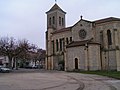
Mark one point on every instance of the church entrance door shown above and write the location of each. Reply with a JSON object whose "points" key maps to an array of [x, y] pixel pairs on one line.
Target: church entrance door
{"points": [[76, 63]]}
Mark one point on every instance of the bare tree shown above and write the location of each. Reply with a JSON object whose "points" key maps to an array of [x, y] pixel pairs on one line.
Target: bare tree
{"points": [[14, 49], [41, 54], [8, 48], [28, 52]]}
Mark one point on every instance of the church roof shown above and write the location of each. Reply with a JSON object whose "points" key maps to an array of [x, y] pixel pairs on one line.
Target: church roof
{"points": [[80, 43], [82, 20], [106, 20], [62, 30], [55, 7]]}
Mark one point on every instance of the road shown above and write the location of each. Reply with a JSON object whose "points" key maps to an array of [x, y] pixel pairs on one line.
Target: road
{"points": [[55, 80]]}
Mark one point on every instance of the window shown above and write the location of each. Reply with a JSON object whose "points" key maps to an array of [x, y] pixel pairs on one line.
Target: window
{"points": [[50, 21], [60, 44], [57, 47], [63, 43], [82, 33], [0, 62], [53, 20], [60, 21], [76, 63], [109, 37], [70, 39], [67, 40]]}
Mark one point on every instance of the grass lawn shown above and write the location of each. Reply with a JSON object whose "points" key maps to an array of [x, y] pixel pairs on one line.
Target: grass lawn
{"points": [[113, 74]]}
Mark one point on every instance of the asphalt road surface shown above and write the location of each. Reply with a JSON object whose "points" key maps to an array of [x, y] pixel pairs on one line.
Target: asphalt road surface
{"points": [[55, 80]]}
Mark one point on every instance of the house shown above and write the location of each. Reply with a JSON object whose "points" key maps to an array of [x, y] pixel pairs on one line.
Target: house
{"points": [[4, 61]]}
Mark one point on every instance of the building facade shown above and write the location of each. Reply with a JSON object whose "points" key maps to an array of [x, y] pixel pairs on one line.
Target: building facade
{"points": [[87, 45], [4, 61]]}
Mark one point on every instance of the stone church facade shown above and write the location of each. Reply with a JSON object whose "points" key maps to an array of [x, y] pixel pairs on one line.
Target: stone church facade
{"points": [[87, 45]]}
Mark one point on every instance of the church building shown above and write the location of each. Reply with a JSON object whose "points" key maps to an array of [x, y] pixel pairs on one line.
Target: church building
{"points": [[87, 45]]}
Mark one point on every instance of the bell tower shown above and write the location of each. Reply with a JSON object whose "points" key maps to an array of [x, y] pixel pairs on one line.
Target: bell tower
{"points": [[55, 18], [55, 21]]}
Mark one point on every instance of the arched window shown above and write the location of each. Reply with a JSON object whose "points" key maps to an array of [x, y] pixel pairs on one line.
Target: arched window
{"points": [[67, 41], [61, 45], [76, 63], [57, 45], [50, 21], [70, 39], [109, 37], [62, 21], [53, 20]]}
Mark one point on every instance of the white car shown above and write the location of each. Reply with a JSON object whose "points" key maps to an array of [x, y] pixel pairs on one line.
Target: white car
{"points": [[4, 69]]}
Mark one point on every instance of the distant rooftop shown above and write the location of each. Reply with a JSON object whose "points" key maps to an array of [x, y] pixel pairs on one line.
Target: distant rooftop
{"points": [[106, 20]]}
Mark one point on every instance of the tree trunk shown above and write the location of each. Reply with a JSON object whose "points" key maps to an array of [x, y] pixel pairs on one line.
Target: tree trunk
{"points": [[16, 62], [10, 62]]}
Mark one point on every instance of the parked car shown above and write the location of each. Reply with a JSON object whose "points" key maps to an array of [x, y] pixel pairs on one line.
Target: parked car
{"points": [[4, 69], [31, 67], [34, 67], [28, 67]]}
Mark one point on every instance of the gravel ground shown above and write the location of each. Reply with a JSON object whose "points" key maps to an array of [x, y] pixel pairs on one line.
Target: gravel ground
{"points": [[34, 79]]}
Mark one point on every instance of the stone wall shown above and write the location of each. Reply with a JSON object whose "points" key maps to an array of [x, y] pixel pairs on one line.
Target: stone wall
{"points": [[109, 56], [94, 57], [75, 52], [88, 58]]}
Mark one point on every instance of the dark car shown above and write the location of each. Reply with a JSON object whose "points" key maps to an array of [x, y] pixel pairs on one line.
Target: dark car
{"points": [[4, 69]]}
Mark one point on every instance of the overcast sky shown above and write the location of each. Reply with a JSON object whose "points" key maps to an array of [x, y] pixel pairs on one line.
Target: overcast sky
{"points": [[26, 19]]}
